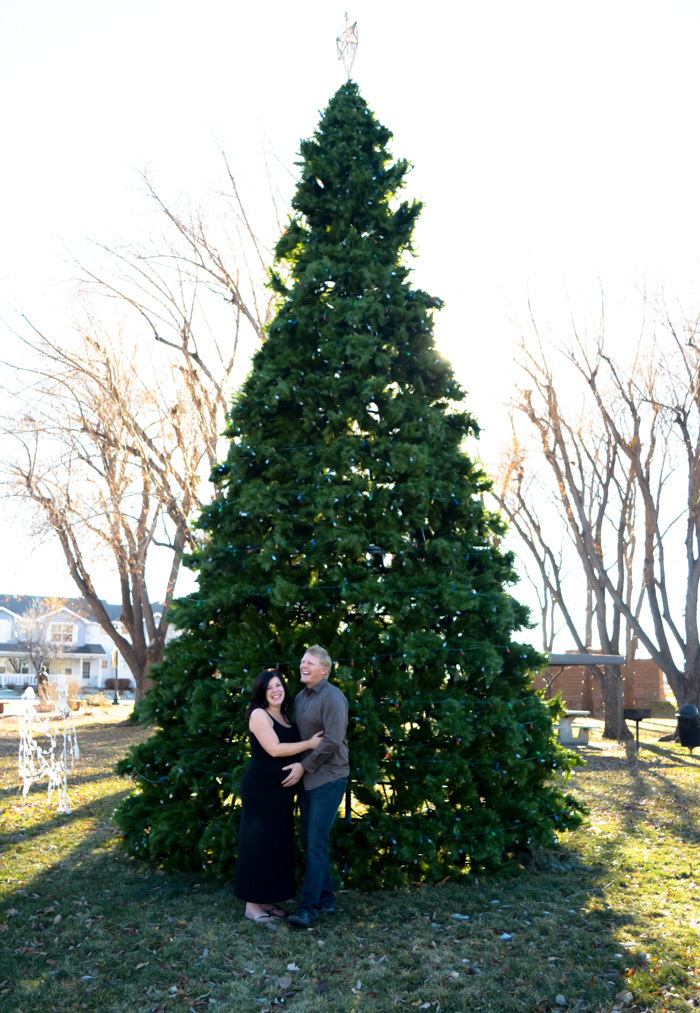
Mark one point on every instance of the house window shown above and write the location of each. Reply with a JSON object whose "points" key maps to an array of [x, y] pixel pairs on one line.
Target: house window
{"points": [[24, 669], [104, 664], [86, 670], [2, 669], [67, 671], [62, 633]]}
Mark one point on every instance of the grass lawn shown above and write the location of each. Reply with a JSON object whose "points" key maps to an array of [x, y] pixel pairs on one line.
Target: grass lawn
{"points": [[611, 921]]}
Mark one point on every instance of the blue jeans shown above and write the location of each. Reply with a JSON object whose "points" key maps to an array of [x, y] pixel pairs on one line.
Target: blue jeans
{"points": [[318, 808]]}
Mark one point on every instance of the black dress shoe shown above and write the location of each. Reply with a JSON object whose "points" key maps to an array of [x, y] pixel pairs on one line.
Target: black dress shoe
{"points": [[301, 919]]}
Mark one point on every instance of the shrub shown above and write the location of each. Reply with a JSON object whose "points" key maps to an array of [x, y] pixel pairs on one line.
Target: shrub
{"points": [[124, 684]]}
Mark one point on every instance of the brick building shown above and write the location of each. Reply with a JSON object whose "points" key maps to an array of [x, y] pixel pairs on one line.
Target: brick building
{"points": [[641, 687]]}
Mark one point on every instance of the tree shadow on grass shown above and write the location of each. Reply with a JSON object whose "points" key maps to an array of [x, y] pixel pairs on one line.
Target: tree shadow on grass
{"points": [[650, 784], [129, 937], [679, 759], [99, 928], [658, 785], [40, 787], [46, 945], [57, 820]]}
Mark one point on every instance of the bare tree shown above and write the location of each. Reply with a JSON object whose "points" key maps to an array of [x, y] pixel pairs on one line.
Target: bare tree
{"points": [[117, 426], [657, 429], [34, 633], [195, 290], [591, 499], [517, 491], [626, 470], [112, 473]]}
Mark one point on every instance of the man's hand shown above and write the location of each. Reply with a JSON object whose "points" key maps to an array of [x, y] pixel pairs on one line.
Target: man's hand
{"points": [[296, 772]]}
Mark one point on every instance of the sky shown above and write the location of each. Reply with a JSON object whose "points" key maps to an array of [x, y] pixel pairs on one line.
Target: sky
{"points": [[555, 146]]}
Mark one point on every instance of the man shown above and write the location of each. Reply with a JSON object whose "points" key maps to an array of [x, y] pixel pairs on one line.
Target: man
{"points": [[320, 706]]}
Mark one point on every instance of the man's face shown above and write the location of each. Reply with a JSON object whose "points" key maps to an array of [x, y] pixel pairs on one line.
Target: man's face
{"points": [[312, 670]]}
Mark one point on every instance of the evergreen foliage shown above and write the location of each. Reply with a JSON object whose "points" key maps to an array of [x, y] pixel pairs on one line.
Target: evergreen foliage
{"points": [[349, 515]]}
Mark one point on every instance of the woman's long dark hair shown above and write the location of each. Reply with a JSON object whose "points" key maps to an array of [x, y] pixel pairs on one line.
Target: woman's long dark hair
{"points": [[258, 695]]}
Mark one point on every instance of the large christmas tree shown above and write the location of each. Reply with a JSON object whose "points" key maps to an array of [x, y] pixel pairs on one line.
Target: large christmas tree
{"points": [[348, 514]]}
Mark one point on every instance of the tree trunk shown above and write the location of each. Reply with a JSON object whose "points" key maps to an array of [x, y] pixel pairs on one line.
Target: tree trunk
{"points": [[143, 684], [139, 659], [685, 687], [611, 688], [692, 691]]}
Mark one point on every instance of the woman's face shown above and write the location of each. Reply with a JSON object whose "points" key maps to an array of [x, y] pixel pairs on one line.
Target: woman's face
{"points": [[274, 693]]}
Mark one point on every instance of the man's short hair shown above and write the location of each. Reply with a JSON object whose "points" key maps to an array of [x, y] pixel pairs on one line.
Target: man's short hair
{"points": [[322, 654]]}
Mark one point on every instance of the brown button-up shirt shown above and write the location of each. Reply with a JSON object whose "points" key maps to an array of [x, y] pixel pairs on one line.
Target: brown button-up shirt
{"points": [[323, 707]]}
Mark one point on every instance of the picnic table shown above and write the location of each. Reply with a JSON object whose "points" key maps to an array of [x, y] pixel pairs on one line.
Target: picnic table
{"points": [[567, 728]]}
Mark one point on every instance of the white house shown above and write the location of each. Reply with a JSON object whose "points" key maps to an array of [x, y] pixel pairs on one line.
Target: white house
{"points": [[79, 648]]}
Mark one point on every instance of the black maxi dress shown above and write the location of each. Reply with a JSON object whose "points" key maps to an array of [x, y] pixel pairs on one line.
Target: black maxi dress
{"points": [[265, 865]]}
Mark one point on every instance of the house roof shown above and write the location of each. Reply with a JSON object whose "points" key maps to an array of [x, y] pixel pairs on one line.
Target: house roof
{"points": [[85, 649], [18, 604]]}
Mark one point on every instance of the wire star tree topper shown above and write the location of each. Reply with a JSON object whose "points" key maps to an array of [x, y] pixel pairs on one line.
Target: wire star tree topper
{"points": [[347, 44]]}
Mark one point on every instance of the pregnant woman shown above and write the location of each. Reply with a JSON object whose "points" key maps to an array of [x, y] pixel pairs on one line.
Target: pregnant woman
{"points": [[265, 865]]}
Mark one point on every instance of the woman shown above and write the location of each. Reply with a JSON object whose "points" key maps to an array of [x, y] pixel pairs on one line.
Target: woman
{"points": [[265, 866]]}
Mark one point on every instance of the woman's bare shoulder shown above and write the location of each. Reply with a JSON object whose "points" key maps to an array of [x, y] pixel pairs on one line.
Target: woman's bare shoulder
{"points": [[258, 716]]}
